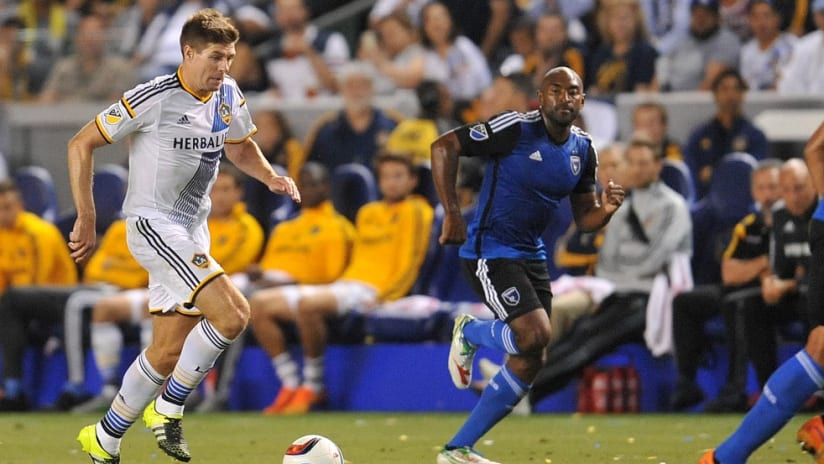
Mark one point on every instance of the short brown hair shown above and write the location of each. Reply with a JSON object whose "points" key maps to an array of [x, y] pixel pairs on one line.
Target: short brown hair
{"points": [[208, 26], [388, 157], [8, 185], [641, 141], [651, 105], [234, 172]]}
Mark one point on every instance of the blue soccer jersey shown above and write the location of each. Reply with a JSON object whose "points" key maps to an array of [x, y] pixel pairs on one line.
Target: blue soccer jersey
{"points": [[526, 177]]}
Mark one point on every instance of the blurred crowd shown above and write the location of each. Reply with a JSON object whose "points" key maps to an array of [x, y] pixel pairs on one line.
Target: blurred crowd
{"points": [[467, 60]]}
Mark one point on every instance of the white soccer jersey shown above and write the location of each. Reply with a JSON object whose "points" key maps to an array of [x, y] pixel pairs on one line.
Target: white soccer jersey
{"points": [[176, 144]]}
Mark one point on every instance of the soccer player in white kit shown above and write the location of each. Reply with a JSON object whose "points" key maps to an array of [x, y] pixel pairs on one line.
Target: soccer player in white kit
{"points": [[179, 125]]}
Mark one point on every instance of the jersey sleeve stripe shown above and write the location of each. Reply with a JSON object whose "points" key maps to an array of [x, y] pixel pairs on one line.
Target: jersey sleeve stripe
{"points": [[127, 106], [144, 95], [235, 141], [102, 130], [148, 87], [501, 124]]}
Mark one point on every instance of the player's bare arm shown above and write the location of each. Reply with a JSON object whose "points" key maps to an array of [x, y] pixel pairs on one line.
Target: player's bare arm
{"points": [[814, 156], [445, 152], [83, 237], [591, 214], [248, 158]]}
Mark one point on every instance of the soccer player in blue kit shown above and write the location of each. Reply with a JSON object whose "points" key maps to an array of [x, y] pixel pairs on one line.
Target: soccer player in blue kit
{"points": [[534, 160], [803, 374]]}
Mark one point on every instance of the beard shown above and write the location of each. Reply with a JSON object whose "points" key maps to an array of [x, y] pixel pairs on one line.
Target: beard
{"points": [[561, 120]]}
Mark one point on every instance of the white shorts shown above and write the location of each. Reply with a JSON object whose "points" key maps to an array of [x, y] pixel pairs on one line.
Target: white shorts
{"points": [[178, 262], [350, 294]]}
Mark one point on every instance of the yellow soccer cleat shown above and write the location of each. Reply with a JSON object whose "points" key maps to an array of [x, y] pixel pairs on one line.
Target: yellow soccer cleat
{"points": [[168, 432], [90, 444]]}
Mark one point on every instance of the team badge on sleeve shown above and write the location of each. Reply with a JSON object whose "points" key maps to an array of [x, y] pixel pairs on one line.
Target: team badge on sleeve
{"points": [[478, 132], [113, 116], [575, 164], [200, 260]]}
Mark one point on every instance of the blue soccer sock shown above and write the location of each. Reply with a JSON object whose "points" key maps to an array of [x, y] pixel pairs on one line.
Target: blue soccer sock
{"points": [[786, 390], [492, 334], [500, 395]]}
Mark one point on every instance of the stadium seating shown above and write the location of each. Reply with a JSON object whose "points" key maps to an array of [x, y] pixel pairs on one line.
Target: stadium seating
{"points": [[676, 175], [269, 209], [38, 191], [110, 182], [109, 191], [353, 185], [713, 217]]}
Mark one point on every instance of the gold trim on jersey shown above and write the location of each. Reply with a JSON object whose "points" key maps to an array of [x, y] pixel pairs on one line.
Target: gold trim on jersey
{"points": [[236, 141], [102, 131], [127, 106], [189, 89], [190, 304]]}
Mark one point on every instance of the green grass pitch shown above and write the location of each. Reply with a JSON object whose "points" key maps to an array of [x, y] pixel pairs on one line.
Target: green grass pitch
{"points": [[401, 438]]}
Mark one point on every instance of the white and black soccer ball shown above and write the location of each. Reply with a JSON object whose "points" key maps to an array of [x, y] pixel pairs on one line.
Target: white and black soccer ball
{"points": [[313, 449]]}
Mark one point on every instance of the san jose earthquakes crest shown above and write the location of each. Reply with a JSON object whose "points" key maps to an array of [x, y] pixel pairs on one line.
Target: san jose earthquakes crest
{"points": [[575, 164], [511, 296]]}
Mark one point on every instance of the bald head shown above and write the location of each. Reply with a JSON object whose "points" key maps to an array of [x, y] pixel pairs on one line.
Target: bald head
{"points": [[556, 73], [797, 188], [561, 98]]}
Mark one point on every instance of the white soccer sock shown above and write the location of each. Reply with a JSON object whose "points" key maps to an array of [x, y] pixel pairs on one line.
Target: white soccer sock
{"points": [[107, 344], [287, 370], [140, 384], [201, 349], [313, 373]]}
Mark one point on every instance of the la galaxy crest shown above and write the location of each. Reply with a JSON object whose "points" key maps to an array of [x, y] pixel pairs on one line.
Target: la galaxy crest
{"points": [[200, 260], [575, 164], [225, 113]]}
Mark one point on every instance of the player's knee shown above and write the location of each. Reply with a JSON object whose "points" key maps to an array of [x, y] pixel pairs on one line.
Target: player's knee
{"points": [[236, 320], [162, 359], [533, 339], [815, 345]]}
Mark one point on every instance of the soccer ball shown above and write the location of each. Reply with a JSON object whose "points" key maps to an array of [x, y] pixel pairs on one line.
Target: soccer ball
{"points": [[313, 449]]}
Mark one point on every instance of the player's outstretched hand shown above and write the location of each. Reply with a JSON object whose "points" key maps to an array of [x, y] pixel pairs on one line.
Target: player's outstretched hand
{"points": [[284, 185], [612, 197], [82, 238], [453, 231]]}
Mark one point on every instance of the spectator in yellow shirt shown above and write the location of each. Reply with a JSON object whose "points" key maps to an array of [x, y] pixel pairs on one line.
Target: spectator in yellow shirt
{"points": [[392, 238], [313, 248], [236, 239], [33, 251], [42, 281]]}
